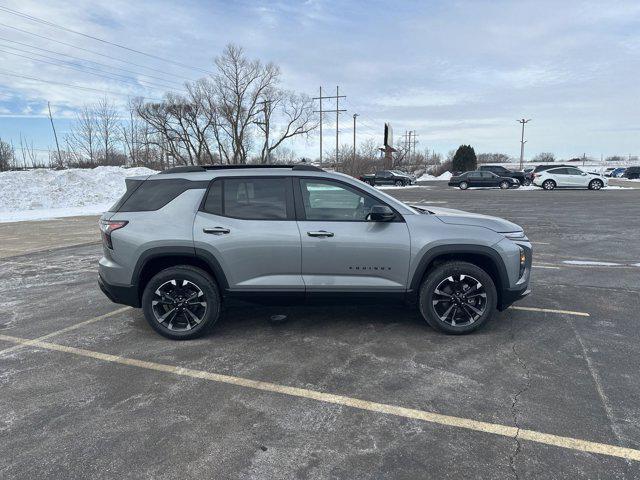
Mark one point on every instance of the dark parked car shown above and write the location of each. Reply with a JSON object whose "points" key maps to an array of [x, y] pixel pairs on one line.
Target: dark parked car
{"points": [[388, 177], [632, 172], [482, 179], [505, 172]]}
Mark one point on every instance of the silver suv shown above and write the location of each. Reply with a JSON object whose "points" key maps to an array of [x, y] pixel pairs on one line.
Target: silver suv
{"points": [[181, 243]]}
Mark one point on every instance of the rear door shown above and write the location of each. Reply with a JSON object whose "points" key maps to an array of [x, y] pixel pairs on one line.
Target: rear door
{"points": [[248, 224], [577, 178], [341, 250]]}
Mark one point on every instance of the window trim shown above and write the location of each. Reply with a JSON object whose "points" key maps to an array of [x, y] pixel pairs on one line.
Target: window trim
{"points": [[289, 200], [301, 214]]}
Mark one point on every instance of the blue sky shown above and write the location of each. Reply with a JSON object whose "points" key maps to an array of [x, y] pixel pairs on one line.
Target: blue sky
{"points": [[454, 71]]}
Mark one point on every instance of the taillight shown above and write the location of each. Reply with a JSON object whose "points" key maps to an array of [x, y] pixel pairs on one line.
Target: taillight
{"points": [[107, 227]]}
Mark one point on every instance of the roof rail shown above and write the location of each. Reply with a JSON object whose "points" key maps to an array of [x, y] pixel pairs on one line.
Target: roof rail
{"points": [[203, 168], [193, 168]]}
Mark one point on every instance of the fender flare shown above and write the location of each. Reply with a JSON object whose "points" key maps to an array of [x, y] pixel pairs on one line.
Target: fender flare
{"points": [[183, 251], [487, 252]]}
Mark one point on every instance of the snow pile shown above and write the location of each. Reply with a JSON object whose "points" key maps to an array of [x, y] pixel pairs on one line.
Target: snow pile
{"points": [[43, 193], [444, 176]]}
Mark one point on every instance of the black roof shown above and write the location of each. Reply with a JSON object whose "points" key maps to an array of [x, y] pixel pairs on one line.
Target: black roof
{"points": [[204, 168]]}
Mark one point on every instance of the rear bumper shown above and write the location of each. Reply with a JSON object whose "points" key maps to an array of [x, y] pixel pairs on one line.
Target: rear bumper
{"points": [[123, 294], [511, 295]]}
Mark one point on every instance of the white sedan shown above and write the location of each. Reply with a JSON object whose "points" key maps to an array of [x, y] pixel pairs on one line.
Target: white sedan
{"points": [[568, 177]]}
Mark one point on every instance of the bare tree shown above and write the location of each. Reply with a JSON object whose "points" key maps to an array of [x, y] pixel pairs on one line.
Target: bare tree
{"points": [[7, 156], [83, 139], [108, 130], [238, 86], [296, 114], [544, 157]]}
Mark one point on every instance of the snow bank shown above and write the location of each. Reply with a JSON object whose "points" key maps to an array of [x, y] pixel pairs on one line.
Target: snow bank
{"points": [[43, 193], [444, 176]]}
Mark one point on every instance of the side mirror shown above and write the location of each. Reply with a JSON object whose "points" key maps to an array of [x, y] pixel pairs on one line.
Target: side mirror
{"points": [[381, 213]]}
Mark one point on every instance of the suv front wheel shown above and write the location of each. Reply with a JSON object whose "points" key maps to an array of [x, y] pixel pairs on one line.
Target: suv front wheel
{"points": [[457, 297], [181, 302]]}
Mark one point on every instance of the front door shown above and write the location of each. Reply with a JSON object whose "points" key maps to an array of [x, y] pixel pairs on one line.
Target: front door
{"points": [[578, 178], [341, 250], [248, 224]]}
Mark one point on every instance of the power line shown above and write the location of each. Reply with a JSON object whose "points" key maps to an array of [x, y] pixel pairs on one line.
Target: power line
{"points": [[61, 27], [93, 52], [337, 111], [103, 75], [80, 59], [13, 74]]}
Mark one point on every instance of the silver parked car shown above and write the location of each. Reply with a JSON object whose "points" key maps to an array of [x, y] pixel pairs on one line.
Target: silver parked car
{"points": [[181, 243]]}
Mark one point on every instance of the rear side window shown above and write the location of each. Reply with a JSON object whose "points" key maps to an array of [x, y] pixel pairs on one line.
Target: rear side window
{"points": [[155, 194], [251, 198]]}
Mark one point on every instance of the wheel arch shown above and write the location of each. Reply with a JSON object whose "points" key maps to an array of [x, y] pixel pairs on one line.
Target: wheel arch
{"points": [[156, 259], [484, 257]]}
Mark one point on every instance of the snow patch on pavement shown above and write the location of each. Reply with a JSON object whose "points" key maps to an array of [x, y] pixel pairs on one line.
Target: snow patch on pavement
{"points": [[587, 262], [44, 193]]}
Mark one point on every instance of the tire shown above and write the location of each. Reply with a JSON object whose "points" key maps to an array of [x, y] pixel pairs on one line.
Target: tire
{"points": [[595, 184], [504, 185], [434, 306], [179, 283], [548, 184], [399, 183], [526, 183], [463, 185]]}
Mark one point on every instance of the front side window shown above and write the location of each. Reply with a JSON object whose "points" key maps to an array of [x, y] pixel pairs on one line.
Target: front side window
{"points": [[327, 200], [249, 198]]}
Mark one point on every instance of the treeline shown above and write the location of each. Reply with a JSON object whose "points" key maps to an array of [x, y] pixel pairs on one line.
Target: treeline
{"points": [[236, 115]]}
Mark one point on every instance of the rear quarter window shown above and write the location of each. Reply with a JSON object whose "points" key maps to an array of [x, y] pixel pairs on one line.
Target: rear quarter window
{"points": [[152, 195]]}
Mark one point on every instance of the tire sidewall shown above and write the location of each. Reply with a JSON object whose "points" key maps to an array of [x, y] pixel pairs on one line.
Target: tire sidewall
{"points": [[504, 185], [548, 185], [441, 272], [399, 183], [463, 185], [201, 279]]}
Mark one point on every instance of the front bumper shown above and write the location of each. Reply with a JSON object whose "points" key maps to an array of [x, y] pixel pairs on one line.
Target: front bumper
{"points": [[123, 294], [511, 295]]}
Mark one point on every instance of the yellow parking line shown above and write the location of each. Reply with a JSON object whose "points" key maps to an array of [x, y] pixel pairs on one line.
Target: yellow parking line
{"points": [[67, 329], [549, 310], [426, 416]]}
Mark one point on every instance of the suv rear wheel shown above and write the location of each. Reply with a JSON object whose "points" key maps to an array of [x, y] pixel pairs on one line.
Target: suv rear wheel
{"points": [[181, 302], [457, 297]]}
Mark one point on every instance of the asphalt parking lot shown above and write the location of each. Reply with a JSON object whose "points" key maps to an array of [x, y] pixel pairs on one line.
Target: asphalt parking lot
{"points": [[548, 390]]}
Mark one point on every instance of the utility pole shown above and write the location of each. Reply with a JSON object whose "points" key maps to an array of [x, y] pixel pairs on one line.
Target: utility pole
{"points": [[522, 142], [55, 135], [266, 106], [415, 135], [354, 138], [337, 96]]}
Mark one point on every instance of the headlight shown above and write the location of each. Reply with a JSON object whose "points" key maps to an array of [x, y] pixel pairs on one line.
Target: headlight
{"points": [[523, 261]]}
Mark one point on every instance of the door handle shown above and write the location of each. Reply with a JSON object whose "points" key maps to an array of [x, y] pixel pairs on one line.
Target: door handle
{"points": [[320, 233], [216, 230]]}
